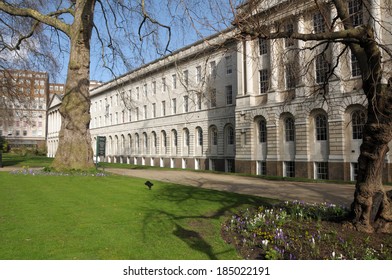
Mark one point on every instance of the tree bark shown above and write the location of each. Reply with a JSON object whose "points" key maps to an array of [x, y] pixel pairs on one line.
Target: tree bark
{"points": [[372, 208], [75, 149]]}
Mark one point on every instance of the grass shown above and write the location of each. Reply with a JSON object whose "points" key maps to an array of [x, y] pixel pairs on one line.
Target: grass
{"points": [[16, 160], [112, 217]]}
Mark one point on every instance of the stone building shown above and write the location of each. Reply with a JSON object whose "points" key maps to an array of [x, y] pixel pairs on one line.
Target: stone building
{"points": [[251, 106]]}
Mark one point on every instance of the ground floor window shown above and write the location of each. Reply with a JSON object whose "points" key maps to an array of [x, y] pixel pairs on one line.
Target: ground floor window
{"points": [[261, 167], [230, 165], [289, 169], [321, 170], [212, 164], [354, 171]]}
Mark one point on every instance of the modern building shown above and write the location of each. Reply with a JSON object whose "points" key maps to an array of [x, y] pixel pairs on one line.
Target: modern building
{"points": [[252, 105], [24, 97]]}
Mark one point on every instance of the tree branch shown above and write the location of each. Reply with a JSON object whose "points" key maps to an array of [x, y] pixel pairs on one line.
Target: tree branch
{"points": [[34, 14]]}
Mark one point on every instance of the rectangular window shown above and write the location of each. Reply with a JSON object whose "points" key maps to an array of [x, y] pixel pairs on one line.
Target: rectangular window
{"points": [[198, 101], [145, 111], [186, 104], [355, 12], [318, 23], [137, 113], [174, 81], [164, 84], [229, 65], [174, 106], [321, 170], [264, 80], [137, 93], [322, 69], [213, 98], [198, 74], [163, 108], [186, 77], [229, 95], [355, 70], [262, 168], [154, 87], [263, 46], [290, 77], [154, 110], [213, 69], [289, 168], [145, 90], [354, 171]]}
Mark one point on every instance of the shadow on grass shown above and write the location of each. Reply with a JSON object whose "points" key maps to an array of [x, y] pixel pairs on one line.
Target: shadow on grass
{"points": [[196, 217]]}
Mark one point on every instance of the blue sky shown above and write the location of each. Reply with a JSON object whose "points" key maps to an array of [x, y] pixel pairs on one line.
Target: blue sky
{"points": [[202, 18]]}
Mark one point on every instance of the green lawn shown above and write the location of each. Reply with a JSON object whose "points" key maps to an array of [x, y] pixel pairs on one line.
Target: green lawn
{"points": [[114, 217]]}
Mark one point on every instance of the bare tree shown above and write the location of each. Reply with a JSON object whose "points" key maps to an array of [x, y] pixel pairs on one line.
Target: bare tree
{"points": [[75, 20], [372, 208]]}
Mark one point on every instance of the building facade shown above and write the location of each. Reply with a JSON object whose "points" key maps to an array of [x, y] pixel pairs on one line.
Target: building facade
{"points": [[24, 97], [251, 106]]}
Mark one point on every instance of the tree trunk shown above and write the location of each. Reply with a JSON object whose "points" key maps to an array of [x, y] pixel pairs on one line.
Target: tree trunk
{"points": [[372, 207], [75, 149]]}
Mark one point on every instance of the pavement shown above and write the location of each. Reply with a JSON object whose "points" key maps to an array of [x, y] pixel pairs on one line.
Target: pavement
{"points": [[340, 194]]}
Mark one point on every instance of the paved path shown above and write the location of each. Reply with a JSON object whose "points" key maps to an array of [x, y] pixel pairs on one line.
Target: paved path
{"points": [[340, 194]]}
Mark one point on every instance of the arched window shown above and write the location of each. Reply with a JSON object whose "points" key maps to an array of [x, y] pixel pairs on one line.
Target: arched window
{"points": [[137, 142], [154, 139], [199, 136], [230, 135], [164, 139], [175, 138], [358, 120], [214, 136], [186, 137], [289, 129], [321, 127], [262, 131], [145, 141]]}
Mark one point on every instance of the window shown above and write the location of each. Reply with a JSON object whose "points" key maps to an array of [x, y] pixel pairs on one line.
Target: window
{"points": [[137, 113], [289, 129], [289, 42], [145, 90], [318, 23], [321, 170], [186, 104], [230, 136], [164, 84], [261, 167], [322, 69], [290, 76], [262, 131], [154, 110], [186, 137], [355, 11], [213, 98], [174, 81], [174, 106], [154, 87], [229, 95], [213, 69], [137, 93], [358, 120], [321, 127], [164, 140], [264, 80], [229, 65], [198, 101], [145, 111], [175, 138], [199, 136], [198, 74], [355, 70], [214, 136], [263, 46], [163, 108], [354, 171], [289, 168], [186, 77]]}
